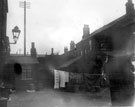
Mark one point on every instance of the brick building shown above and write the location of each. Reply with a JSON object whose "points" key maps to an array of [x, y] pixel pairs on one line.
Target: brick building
{"points": [[113, 39], [4, 41], [27, 80]]}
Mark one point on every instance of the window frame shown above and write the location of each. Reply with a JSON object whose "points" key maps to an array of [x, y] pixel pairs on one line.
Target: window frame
{"points": [[26, 72]]}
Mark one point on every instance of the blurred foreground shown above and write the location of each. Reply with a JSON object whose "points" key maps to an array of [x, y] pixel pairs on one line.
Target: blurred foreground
{"points": [[54, 98]]}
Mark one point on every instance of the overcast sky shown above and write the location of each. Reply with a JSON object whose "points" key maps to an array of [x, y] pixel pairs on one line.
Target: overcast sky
{"points": [[54, 23]]}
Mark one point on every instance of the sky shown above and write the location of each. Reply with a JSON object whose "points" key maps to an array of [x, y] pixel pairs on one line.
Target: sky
{"points": [[55, 23]]}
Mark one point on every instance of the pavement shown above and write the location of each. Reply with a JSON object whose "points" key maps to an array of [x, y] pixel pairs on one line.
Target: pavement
{"points": [[56, 98]]}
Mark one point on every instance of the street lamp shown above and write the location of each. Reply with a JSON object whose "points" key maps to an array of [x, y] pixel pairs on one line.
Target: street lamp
{"points": [[16, 32]]}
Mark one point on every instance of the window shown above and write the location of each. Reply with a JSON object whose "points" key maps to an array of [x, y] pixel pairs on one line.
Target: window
{"points": [[102, 47], [90, 43], [26, 72], [81, 53], [85, 51]]}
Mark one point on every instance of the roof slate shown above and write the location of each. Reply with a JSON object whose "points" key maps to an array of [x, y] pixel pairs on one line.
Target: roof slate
{"points": [[107, 26], [22, 60], [68, 63]]}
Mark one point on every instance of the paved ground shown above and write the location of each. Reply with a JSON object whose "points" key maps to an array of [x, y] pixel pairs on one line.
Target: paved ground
{"points": [[51, 98]]}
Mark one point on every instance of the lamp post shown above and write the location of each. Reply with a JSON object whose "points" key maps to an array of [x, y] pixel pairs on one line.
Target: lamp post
{"points": [[25, 5], [133, 43], [16, 32]]}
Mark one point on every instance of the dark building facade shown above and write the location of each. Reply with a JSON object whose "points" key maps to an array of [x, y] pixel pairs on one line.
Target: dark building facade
{"points": [[27, 80], [115, 37], [114, 40], [4, 41], [107, 51], [4, 46], [47, 64]]}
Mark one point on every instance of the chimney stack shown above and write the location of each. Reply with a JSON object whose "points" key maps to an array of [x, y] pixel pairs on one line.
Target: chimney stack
{"points": [[52, 51], [86, 31], [65, 49], [33, 50], [33, 45], [72, 45], [129, 7]]}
